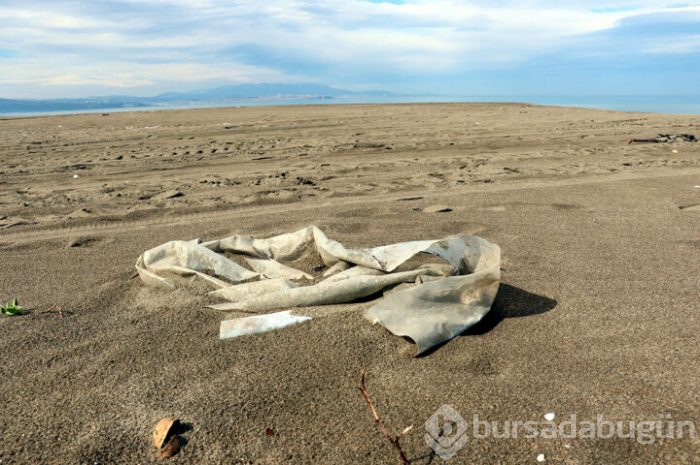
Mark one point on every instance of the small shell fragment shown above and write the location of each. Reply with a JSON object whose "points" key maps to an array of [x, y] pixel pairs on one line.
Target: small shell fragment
{"points": [[171, 448], [549, 416], [162, 432], [541, 458]]}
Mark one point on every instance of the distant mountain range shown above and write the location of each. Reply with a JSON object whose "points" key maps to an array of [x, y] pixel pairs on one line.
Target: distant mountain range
{"points": [[217, 96]]}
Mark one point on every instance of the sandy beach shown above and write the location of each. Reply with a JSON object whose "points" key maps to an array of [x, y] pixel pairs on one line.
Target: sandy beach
{"points": [[596, 314]]}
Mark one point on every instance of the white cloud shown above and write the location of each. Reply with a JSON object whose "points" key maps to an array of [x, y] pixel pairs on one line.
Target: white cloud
{"points": [[130, 43]]}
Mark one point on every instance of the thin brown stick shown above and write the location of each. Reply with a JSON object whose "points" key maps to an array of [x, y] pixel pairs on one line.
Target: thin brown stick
{"points": [[394, 440]]}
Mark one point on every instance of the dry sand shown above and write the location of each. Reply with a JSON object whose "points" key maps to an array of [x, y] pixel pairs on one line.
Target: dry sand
{"points": [[597, 313]]}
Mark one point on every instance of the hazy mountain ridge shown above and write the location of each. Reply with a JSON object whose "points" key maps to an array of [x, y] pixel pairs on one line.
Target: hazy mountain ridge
{"points": [[222, 94]]}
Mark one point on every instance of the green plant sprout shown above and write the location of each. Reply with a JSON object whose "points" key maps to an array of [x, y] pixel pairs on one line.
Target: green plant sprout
{"points": [[11, 308]]}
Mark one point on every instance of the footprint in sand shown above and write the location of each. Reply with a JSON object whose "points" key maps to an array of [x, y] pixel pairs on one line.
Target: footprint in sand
{"points": [[690, 207], [83, 241], [565, 206], [79, 213], [171, 194], [11, 221], [437, 209]]}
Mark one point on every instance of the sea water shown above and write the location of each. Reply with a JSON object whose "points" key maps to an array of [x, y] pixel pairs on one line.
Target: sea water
{"points": [[674, 104]]}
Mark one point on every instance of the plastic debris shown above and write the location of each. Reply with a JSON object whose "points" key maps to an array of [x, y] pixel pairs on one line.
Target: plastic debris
{"points": [[446, 285], [259, 324]]}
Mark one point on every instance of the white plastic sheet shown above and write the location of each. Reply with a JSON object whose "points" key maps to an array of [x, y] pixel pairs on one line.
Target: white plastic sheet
{"points": [[434, 300]]}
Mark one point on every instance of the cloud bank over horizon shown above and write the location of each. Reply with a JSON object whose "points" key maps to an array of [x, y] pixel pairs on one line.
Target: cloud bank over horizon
{"points": [[79, 48]]}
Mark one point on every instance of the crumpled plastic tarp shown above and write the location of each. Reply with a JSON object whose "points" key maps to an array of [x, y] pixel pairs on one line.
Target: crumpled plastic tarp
{"points": [[433, 290]]}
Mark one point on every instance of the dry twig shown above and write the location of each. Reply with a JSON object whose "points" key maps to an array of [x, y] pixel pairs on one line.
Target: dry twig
{"points": [[394, 440]]}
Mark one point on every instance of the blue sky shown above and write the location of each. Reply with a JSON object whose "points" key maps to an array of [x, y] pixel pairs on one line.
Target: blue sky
{"points": [[54, 48]]}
